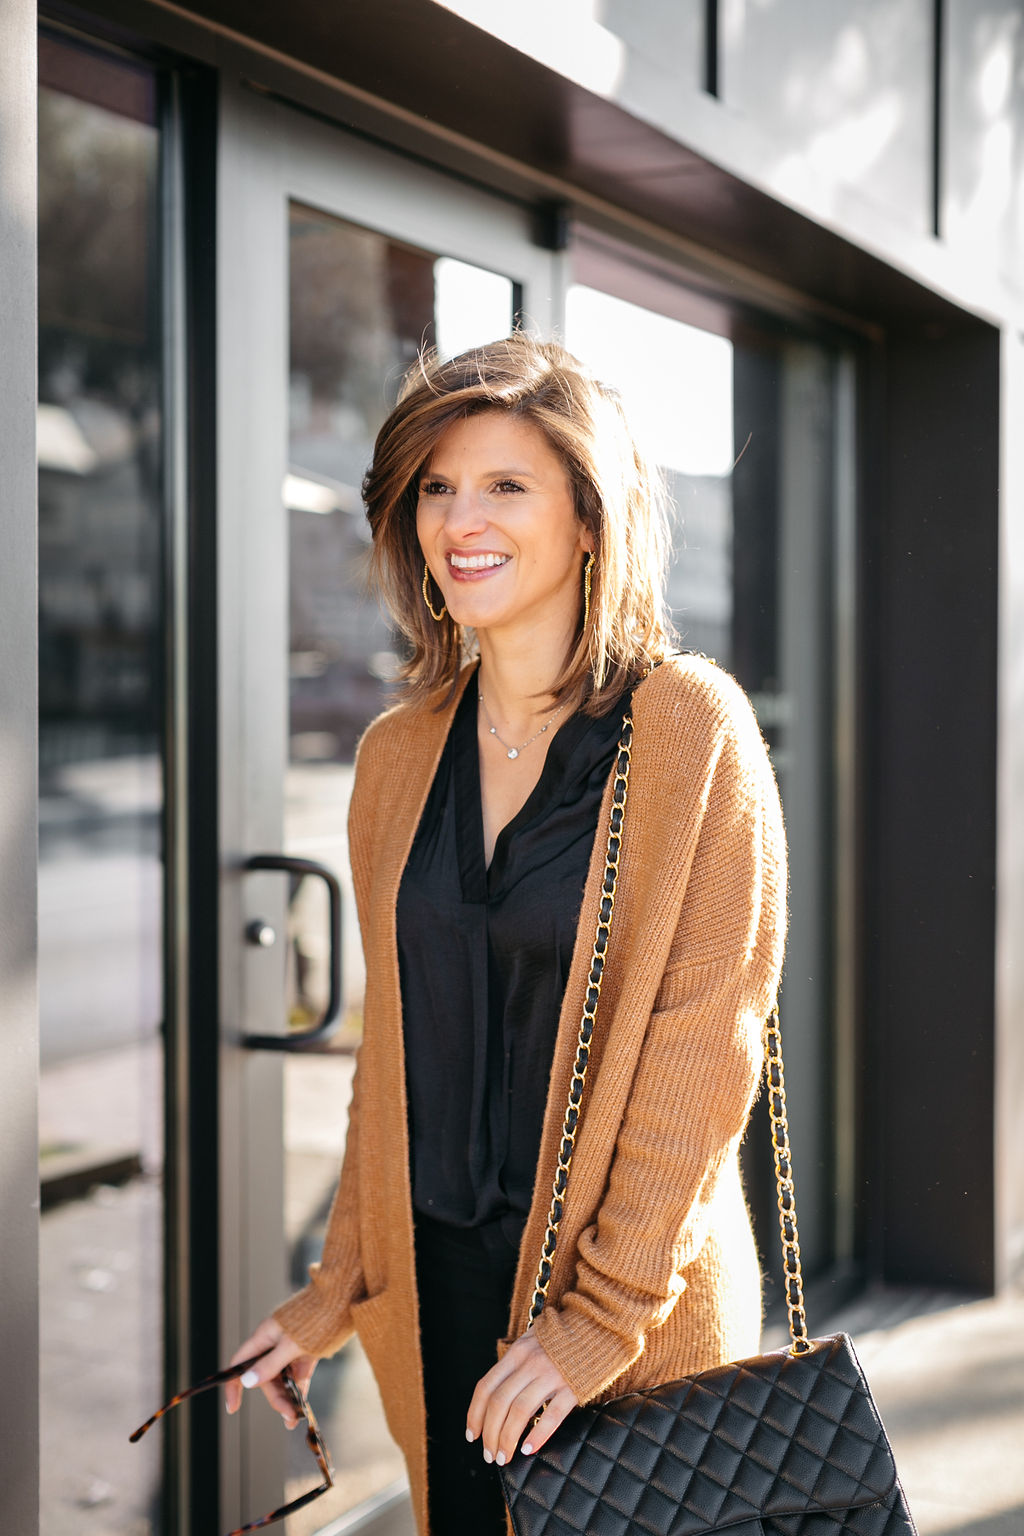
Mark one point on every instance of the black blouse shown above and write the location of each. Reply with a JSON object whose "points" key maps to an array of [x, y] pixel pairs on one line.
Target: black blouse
{"points": [[484, 955]]}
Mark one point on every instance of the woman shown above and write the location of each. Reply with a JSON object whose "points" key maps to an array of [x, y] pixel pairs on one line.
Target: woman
{"points": [[512, 513]]}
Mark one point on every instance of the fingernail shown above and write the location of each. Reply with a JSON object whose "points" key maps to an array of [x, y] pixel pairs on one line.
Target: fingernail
{"points": [[250, 1379], [470, 1436], [527, 1449], [487, 1455], [500, 1458]]}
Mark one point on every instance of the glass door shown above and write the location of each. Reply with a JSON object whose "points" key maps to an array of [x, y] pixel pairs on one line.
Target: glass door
{"points": [[338, 261]]}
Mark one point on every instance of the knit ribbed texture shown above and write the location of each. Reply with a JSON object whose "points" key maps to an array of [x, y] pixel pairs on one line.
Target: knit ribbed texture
{"points": [[655, 1272]]}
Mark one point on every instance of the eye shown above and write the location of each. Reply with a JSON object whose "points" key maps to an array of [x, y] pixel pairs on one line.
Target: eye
{"points": [[433, 488], [509, 487]]}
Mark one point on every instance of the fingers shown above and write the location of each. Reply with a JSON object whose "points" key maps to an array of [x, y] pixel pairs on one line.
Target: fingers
{"points": [[302, 1372], [266, 1374], [266, 1336], [558, 1408], [279, 1350], [509, 1397], [485, 1388]]}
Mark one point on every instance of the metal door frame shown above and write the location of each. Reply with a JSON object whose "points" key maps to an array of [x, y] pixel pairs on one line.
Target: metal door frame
{"points": [[19, 1142]]}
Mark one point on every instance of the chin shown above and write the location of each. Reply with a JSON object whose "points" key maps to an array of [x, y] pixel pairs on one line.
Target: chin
{"points": [[475, 615]]}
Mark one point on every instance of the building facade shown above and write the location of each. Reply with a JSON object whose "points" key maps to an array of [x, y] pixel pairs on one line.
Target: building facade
{"points": [[793, 235]]}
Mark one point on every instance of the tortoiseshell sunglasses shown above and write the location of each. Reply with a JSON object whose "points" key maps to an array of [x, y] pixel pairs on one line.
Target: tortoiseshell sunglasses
{"points": [[314, 1439]]}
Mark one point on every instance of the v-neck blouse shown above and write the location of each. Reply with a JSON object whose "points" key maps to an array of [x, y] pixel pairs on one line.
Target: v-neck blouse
{"points": [[484, 955]]}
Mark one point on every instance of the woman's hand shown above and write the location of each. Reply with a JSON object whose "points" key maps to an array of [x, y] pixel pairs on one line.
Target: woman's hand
{"points": [[512, 1392], [278, 1351]]}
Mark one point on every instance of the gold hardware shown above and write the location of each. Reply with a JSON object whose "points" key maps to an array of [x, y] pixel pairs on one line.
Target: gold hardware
{"points": [[587, 572], [437, 617]]}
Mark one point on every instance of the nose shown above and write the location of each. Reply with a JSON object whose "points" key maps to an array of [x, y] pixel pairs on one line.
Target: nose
{"points": [[465, 514]]}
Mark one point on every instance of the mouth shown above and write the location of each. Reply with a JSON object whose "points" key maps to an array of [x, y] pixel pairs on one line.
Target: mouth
{"points": [[472, 565]]}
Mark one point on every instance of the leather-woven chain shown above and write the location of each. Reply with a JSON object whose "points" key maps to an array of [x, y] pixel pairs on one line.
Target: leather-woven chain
{"points": [[570, 1124], [784, 1184]]}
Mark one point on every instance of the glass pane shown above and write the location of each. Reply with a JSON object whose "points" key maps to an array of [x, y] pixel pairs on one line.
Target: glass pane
{"points": [[101, 792], [676, 382], [743, 429], [361, 307]]}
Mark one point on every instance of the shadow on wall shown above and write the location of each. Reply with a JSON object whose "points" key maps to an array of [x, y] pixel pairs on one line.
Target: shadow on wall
{"points": [[984, 186], [844, 91]]}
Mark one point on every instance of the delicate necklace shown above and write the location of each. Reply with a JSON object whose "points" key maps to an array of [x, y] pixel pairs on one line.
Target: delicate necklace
{"points": [[510, 751]]}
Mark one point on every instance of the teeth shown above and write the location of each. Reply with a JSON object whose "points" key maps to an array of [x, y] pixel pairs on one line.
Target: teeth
{"points": [[477, 562]]}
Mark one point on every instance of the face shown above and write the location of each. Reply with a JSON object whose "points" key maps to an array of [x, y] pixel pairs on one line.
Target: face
{"points": [[498, 529]]}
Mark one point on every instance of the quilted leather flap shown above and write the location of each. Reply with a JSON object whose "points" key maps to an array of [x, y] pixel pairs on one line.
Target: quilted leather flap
{"points": [[772, 1436]]}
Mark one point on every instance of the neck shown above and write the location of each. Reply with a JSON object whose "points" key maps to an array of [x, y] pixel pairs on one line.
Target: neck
{"points": [[516, 682]]}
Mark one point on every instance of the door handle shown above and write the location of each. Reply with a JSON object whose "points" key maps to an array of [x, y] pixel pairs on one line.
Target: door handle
{"points": [[313, 1038]]}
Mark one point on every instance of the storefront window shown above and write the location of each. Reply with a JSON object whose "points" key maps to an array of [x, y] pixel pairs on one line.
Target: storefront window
{"points": [[744, 419], [101, 792]]}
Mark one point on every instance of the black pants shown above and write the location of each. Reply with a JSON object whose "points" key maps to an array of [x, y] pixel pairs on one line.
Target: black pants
{"points": [[465, 1280]]}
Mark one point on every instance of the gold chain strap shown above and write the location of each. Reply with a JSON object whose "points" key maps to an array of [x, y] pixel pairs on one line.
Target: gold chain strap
{"points": [[579, 1070], [784, 1183], [570, 1125]]}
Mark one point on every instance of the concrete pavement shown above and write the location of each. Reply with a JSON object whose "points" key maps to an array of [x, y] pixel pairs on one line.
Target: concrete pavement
{"points": [[948, 1379]]}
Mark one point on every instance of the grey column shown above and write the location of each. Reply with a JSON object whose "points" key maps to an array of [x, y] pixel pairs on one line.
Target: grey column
{"points": [[19, 1186]]}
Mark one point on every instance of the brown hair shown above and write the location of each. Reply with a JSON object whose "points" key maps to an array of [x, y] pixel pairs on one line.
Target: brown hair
{"points": [[619, 499]]}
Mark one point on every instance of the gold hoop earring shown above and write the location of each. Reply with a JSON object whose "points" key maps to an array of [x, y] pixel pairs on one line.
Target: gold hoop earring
{"points": [[437, 617], [586, 590]]}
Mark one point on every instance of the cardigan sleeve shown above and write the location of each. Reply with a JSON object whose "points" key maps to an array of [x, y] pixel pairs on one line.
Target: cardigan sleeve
{"points": [[696, 1076], [319, 1317]]}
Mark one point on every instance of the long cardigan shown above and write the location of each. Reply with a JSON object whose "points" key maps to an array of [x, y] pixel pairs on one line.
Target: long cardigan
{"points": [[655, 1273]]}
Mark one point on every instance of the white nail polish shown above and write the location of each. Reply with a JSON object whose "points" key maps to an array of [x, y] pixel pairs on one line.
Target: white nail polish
{"points": [[527, 1449], [470, 1436], [250, 1379], [487, 1456], [500, 1458]]}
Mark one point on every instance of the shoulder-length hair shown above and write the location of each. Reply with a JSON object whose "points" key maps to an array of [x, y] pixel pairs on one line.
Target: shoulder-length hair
{"points": [[619, 499]]}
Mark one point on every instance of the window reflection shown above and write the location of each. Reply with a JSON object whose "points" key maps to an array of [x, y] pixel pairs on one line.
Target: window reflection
{"points": [[742, 419], [677, 385], [101, 788]]}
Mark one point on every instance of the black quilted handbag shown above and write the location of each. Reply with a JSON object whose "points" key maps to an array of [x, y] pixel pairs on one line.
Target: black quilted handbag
{"points": [[784, 1444]]}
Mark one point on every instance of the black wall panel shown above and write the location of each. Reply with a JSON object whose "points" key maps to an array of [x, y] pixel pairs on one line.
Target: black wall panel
{"points": [[930, 616]]}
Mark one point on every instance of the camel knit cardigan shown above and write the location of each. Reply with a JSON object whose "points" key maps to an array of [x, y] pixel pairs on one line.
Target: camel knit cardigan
{"points": [[655, 1273]]}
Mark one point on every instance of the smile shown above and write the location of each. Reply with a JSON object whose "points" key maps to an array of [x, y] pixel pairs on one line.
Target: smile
{"points": [[477, 562]]}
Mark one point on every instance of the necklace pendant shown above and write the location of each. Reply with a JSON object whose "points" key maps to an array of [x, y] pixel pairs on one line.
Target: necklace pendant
{"points": [[513, 752]]}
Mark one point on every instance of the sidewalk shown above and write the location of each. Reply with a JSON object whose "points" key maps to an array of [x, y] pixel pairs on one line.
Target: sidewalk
{"points": [[948, 1378]]}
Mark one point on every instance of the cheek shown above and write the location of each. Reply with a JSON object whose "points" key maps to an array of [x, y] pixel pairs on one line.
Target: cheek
{"points": [[426, 526]]}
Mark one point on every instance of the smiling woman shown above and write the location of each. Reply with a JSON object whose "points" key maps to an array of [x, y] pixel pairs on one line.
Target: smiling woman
{"points": [[519, 539]]}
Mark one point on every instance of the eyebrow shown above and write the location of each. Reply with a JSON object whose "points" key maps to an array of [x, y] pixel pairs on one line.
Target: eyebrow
{"points": [[508, 473]]}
